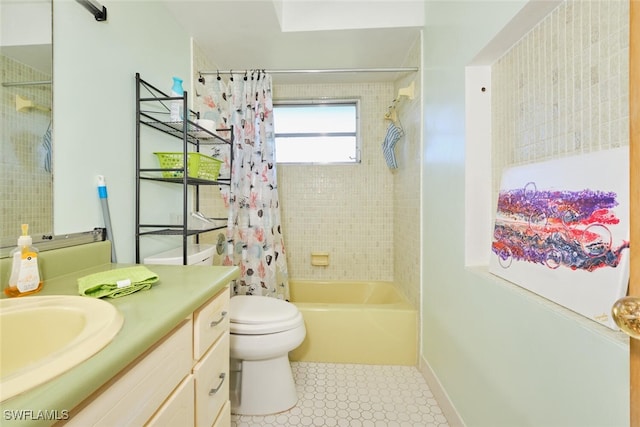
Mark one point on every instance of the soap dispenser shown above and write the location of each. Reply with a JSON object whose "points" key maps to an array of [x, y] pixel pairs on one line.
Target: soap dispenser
{"points": [[25, 278]]}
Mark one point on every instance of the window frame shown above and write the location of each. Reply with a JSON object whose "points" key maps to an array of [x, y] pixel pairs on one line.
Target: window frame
{"points": [[319, 102]]}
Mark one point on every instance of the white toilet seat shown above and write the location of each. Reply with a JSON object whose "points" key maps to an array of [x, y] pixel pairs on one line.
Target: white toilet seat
{"points": [[257, 315], [266, 328]]}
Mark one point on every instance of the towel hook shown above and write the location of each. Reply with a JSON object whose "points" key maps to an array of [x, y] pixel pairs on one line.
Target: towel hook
{"points": [[408, 91], [24, 104]]}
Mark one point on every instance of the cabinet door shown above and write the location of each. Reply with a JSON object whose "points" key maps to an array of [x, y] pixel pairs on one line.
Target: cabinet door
{"points": [[224, 419], [178, 410], [212, 383], [136, 393]]}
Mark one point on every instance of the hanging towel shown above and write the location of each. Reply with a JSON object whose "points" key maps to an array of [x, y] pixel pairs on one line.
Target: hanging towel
{"points": [[117, 283], [394, 133], [46, 146]]}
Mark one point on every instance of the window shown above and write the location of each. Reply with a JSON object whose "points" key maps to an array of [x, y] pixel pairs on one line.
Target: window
{"points": [[320, 131]]}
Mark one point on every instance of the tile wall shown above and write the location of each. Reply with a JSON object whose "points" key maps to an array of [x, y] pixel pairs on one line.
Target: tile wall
{"points": [[345, 210], [406, 185], [563, 88], [25, 186]]}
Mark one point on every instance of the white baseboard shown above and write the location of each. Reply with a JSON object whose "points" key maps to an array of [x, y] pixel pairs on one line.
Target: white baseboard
{"points": [[448, 410]]}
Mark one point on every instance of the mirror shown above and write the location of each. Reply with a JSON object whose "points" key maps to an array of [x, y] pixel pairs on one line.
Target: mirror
{"points": [[25, 145]]}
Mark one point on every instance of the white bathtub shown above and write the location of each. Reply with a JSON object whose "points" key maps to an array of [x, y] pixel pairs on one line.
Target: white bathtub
{"points": [[355, 322]]}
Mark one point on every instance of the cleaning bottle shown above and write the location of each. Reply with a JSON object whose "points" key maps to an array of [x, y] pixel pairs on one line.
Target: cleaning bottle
{"points": [[176, 106], [25, 277]]}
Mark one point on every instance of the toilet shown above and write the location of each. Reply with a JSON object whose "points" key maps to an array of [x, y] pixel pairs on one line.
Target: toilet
{"points": [[263, 332]]}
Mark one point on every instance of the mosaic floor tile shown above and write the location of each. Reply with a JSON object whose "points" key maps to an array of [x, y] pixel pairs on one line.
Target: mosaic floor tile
{"points": [[348, 395]]}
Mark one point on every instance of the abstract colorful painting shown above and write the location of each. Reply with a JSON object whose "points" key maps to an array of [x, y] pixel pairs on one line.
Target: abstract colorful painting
{"points": [[562, 231]]}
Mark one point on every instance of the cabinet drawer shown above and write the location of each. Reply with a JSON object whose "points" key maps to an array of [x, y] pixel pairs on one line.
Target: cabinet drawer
{"points": [[178, 409], [212, 382], [209, 322], [132, 397]]}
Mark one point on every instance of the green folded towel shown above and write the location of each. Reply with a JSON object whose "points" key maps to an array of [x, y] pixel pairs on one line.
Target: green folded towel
{"points": [[117, 283]]}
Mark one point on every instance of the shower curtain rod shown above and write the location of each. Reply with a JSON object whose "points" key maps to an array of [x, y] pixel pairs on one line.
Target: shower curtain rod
{"points": [[322, 70]]}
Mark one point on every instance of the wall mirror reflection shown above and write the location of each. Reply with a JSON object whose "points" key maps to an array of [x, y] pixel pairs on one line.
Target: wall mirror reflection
{"points": [[26, 115]]}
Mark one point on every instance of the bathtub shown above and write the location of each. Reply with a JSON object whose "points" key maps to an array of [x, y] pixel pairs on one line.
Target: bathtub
{"points": [[355, 322]]}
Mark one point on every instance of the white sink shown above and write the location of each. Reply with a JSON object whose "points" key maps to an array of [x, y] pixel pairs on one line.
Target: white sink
{"points": [[43, 336]]}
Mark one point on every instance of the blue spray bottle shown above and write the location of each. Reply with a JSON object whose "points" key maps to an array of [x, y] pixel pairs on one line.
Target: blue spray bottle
{"points": [[176, 106]]}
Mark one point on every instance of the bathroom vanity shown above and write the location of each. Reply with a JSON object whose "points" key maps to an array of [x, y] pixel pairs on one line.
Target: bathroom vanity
{"points": [[181, 380], [168, 365]]}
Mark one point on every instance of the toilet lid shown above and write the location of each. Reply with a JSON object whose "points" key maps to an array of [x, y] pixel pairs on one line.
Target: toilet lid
{"points": [[259, 315]]}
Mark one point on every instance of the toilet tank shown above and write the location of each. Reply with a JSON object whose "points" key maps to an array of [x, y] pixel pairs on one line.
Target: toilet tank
{"points": [[197, 254]]}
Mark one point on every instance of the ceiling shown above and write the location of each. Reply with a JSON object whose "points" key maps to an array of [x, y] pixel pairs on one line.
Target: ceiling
{"points": [[247, 34]]}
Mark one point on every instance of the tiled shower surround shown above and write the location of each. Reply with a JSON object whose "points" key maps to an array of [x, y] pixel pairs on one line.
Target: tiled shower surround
{"points": [[563, 88], [407, 186], [345, 210], [365, 215], [25, 186]]}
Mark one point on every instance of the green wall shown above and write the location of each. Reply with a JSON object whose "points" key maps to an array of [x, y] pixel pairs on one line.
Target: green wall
{"points": [[94, 109], [504, 357]]}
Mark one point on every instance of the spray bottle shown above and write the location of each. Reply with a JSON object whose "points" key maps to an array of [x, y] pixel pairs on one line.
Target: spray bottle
{"points": [[176, 105], [26, 277]]}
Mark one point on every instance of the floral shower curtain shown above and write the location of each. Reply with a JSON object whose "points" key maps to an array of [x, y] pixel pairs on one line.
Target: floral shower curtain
{"points": [[254, 230]]}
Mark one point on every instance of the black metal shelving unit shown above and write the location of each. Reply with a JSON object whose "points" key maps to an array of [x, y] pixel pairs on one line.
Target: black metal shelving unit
{"points": [[153, 110]]}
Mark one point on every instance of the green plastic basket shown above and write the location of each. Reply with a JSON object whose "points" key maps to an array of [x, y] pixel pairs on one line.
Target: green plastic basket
{"points": [[198, 165]]}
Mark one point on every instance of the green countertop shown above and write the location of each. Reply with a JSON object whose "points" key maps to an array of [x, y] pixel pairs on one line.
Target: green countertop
{"points": [[148, 316]]}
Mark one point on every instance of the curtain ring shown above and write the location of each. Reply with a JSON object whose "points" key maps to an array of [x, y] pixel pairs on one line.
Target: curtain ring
{"points": [[218, 73], [245, 75], [201, 78], [231, 73]]}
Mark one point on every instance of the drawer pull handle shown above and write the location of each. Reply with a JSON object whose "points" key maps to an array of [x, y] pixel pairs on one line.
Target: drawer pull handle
{"points": [[215, 390], [217, 322]]}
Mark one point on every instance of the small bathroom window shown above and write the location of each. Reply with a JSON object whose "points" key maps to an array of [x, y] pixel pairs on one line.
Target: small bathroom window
{"points": [[317, 131]]}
